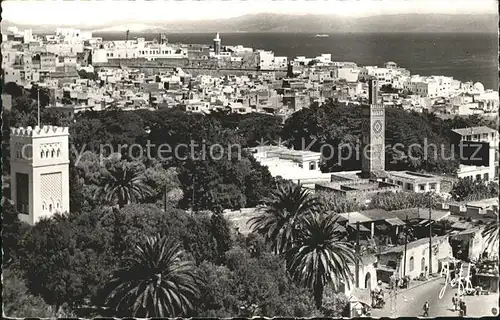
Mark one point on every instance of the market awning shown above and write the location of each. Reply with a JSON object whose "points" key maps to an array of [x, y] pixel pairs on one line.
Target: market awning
{"points": [[395, 222], [362, 228]]}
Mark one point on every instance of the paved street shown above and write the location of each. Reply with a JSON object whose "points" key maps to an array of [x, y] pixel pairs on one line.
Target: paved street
{"points": [[409, 302]]}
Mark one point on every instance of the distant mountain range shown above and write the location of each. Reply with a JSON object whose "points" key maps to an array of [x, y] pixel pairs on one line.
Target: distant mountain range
{"points": [[482, 23]]}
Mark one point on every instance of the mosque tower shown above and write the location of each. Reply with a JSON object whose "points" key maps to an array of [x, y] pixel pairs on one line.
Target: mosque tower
{"points": [[217, 44], [39, 171]]}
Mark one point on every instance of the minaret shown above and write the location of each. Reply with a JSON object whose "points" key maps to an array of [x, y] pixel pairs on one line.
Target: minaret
{"points": [[39, 171], [373, 135], [217, 44]]}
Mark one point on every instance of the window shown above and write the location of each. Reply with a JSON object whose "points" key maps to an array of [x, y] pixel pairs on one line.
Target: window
{"points": [[50, 207], [412, 264], [421, 187], [22, 193], [41, 154], [409, 186], [478, 177], [312, 165], [433, 186], [486, 177]]}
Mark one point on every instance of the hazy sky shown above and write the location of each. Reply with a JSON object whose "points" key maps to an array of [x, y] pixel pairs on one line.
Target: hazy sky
{"points": [[104, 11]]}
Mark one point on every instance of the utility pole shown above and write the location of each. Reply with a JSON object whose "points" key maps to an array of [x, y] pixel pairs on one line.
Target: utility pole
{"points": [[406, 243], [192, 209], [357, 254], [165, 200], [38, 98], [430, 234]]}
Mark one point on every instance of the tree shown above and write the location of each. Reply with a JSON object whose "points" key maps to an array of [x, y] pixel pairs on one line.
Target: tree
{"points": [[334, 203], [63, 261], [318, 257], [490, 233], [123, 183], [12, 232], [282, 214], [470, 190], [156, 283], [18, 302], [402, 200], [13, 89]]}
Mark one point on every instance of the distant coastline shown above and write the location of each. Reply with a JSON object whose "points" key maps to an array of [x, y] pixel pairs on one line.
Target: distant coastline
{"points": [[466, 57]]}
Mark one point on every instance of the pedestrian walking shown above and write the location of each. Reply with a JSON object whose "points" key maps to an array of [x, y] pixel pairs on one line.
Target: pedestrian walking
{"points": [[464, 308], [454, 301], [426, 309]]}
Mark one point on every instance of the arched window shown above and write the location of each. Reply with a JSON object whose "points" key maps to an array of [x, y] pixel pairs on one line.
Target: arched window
{"points": [[412, 264], [41, 154], [43, 206], [422, 264], [47, 154], [58, 205], [52, 153], [58, 152], [50, 207]]}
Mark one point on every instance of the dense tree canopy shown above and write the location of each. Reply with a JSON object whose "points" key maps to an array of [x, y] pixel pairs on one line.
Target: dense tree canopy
{"points": [[68, 260], [413, 141], [470, 190]]}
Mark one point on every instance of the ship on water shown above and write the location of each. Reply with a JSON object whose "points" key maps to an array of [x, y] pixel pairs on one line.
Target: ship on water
{"points": [[322, 36]]}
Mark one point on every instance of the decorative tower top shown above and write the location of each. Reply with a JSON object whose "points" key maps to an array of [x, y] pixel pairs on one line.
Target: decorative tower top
{"points": [[217, 38]]}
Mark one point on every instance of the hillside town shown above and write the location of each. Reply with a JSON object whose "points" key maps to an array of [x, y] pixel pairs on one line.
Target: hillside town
{"points": [[155, 74], [237, 235]]}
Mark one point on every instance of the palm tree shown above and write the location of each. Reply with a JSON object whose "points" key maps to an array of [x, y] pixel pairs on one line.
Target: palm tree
{"points": [[122, 184], [156, 284], [319, 257], [490, 232], [281, 215]]}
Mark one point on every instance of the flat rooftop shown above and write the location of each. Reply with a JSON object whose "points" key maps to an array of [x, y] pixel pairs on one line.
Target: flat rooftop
{"points": [[284, 151], [414, 175], [473, 130], [416, 244], [485, 203], [358, 185]]}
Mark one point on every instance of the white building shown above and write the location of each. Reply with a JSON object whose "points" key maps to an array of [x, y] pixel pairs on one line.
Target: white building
{"points": [[383, 75], [296, 165], [64, 48], [433, 86], [73, 34], [40, 171], [268, 61], [479, 134], [346, 73]]}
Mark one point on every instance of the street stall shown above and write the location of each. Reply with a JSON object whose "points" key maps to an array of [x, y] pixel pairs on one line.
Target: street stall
{"points": [[487, 275], [359, 303]]}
